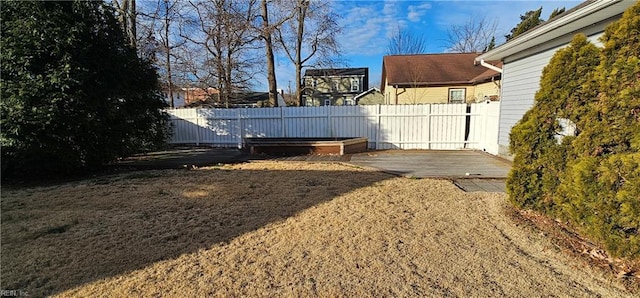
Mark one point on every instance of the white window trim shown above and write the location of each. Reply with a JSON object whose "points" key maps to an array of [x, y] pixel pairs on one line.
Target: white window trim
{"points": [[464, 95], [336, 85], [355, 83]]}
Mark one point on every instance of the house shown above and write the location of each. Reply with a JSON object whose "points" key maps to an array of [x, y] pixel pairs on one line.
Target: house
{"points": [[525, 56], [437, 78], [372, 96], [236, 100], [187, 96], [333, 86], [178, 97], [193, 95]]}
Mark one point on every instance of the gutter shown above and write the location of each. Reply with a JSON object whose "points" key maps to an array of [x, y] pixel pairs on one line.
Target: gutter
{"points": [[489, 66]]}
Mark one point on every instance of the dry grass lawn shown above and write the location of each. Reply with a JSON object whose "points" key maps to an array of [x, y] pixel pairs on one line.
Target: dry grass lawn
{"points": [[278, 229]]}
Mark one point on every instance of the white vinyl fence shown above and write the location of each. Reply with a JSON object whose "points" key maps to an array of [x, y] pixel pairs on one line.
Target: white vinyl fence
{"points": [[436, 126]]}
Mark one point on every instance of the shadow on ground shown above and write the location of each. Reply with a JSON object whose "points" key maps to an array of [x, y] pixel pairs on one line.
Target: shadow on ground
{"points": [[60, 237], [182, 157]]}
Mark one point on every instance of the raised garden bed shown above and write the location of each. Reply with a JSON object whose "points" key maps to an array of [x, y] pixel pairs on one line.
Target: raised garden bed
{"points": [[305, 146]]}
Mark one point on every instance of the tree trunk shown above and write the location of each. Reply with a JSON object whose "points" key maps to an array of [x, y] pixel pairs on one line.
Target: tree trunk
{"points": [[132, 23], [271, 72], [229, 79], [302, 11], [168, 53]]}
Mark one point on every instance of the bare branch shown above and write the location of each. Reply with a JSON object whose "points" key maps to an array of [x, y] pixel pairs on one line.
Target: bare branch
{"points": [[403, 42], [473, 36], [309, 36]]}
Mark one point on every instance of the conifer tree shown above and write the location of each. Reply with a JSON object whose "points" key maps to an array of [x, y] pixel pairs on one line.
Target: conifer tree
{"points": [[556, 12], [492, 44], [540, 154], [593, 179], [602, 190], [527, 21]]}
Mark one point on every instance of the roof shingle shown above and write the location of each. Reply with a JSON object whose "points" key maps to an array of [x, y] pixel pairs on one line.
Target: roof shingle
{"points": [[435, 69]]}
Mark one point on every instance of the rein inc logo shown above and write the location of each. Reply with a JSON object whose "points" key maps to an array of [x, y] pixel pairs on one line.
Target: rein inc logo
{"points": [[13, 293]]}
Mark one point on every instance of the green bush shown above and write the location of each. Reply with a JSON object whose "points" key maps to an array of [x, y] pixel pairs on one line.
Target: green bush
{"points": [[592, 179], [74, 94], [539, 156]]}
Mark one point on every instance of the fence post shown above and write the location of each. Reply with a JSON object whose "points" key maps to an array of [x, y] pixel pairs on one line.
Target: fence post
{"points": [[329, 125], [283, 131], [429, 111], [378, 124], [197, 128], [240, 130]]}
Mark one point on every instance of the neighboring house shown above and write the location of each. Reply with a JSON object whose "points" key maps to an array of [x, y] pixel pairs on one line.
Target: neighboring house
{"points": [[437, 78], [237, 100], [188, 96], [372, 96], [193, 95], [178, 97], [334, 86], [525, 56]]}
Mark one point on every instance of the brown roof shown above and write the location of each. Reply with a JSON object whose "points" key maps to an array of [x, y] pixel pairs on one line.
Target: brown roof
{"points": [[435, 69], [198, 94]]}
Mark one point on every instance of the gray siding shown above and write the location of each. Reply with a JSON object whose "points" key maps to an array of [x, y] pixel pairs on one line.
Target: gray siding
{"points": [[520, 82]]}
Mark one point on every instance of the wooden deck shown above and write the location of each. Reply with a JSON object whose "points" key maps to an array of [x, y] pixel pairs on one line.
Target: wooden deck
{"points": [[461, 164]]}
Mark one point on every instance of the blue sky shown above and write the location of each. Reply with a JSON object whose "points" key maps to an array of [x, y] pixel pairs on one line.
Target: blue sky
{"points": [[368, 24]]}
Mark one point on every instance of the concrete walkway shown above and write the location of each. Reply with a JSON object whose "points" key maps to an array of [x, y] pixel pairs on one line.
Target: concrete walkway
{"points": [[470, 170]]}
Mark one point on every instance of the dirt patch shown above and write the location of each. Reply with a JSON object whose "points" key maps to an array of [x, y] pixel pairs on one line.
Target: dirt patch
{"points": [[278, 229]]}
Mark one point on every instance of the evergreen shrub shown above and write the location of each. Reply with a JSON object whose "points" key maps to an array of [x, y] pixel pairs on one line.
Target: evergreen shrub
{"points": [[74, 94], [591, 179]]}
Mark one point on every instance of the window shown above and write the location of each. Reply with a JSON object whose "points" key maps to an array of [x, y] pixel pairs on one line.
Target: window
{"points": [[314, 83], [457, 95], [327, 102], [336, 85], [355, 85]]}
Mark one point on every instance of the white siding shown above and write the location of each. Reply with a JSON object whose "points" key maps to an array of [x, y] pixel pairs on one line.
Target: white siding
{"points": [[520, 82]]}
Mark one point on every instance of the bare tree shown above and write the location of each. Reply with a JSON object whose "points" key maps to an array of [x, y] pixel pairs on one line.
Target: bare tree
{"points": [[126, 10], [417, 90], [221, 44], [403, 42], [474, 36], [271, 72], [266, 31], [309, 38], [160, 38]]}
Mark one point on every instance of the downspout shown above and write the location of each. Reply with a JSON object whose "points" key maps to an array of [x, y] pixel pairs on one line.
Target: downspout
{"points": [[489, 66], [396, 89]]}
